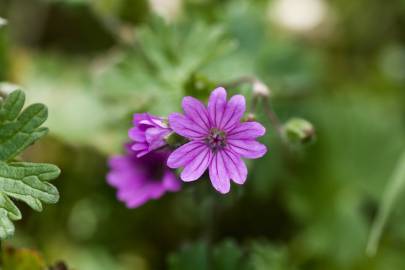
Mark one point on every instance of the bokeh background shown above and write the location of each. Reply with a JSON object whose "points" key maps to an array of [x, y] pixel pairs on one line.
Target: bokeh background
{"points": [[339, 64]]}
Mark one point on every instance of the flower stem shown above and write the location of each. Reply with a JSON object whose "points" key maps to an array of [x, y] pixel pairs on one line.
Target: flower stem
{"points": [[260, 92], [272, 116]]}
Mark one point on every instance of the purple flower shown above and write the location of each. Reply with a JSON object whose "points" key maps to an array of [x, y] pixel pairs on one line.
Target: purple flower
{"points": [[139, 180], [218, 140], [148, 133]]}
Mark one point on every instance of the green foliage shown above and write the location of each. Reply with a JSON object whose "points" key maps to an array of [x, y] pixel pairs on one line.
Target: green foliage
{"points": [[311, 209], [200, 256], [228, 255], [27, 182], [166, 57], [265, 256], [195, 256]]}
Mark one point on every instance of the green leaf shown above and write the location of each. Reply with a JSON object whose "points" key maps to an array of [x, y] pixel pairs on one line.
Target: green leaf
{"points": [[18, 132], [190, 257], [13, 105], [27, 182], [265, 256], [228, 256], [394, 188], [201, 256]]}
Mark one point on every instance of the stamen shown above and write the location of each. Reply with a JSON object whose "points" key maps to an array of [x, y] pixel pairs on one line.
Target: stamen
{"points": [[216, 139]]}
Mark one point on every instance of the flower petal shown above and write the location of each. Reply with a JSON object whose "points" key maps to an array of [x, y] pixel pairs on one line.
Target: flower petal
{"points": [[135, 197], [234, 112], [217, 106], [218, 174], [246, 131], [135, 200], [182, 155], [185, 127], [196, 112], [136, 134], [155, 137], [235, 166], [170, 181], [139, 146], [247, 148], [197, 166]]}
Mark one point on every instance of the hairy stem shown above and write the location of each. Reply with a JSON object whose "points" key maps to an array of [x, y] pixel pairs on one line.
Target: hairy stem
{"points": [[272, 116]]}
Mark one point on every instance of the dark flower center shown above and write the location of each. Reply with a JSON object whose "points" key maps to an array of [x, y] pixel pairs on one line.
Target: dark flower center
{"points": [[156, 173], [216, 139], [153, 166]]}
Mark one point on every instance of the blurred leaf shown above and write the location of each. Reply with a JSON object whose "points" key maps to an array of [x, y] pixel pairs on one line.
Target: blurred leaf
{"points": [[22, 259], [153, 74], [266, 256], [393, 190], [27, 182], [200, 256], [191, 257], [228, 256]]}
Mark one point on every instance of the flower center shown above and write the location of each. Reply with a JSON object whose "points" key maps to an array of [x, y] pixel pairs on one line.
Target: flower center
{"points": [[216, 139]]}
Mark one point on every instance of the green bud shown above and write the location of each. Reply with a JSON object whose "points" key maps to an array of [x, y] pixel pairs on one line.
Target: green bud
{"points": [[298, 130]]}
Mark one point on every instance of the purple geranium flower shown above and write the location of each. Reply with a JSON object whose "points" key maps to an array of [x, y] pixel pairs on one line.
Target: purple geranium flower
{"points": [[139, 180], [148, 133], [218, 140]]}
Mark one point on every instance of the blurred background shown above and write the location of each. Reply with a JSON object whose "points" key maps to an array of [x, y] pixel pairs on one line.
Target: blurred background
{"points": [[339, 64]]}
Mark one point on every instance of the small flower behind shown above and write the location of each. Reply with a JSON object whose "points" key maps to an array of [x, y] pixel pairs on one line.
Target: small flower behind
{"points": [[148, 133], [140, 179], [218, 140]]}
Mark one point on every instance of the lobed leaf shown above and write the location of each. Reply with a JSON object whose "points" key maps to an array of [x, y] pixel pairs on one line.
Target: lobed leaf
{"points": [[19, 132], [13, 105], [27, 182]]}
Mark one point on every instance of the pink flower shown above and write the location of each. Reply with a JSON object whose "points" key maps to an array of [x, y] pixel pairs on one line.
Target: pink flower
{"points": [[148, 133], [218, 140], [139, 180]]}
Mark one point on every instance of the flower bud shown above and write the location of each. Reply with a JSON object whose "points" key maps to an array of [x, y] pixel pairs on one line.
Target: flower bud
{"points": [[298, 130], [260, 89], [3, 22], [148, 133], [250, 117]]}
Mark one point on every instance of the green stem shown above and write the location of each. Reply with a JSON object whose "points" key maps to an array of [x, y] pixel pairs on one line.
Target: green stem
{"points": [[272, 116], [393, 189]]}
